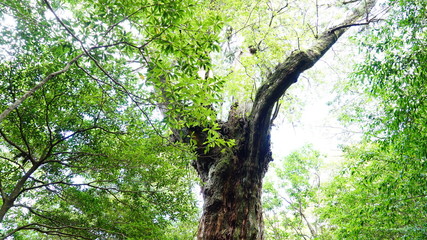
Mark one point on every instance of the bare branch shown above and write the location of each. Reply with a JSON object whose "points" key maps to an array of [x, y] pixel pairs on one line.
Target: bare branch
{"points": [[13, 161], [351, 25], [350, 1], [61, 22]]}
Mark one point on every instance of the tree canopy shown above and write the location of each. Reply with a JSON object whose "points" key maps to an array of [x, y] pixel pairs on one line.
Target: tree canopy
{"points": [[78, 158]]}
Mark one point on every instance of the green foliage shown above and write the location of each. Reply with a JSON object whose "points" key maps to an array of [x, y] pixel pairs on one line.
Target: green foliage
{"points": [[379, 195], [289, 202], [98, 170], [381, 192], [87, 154]]}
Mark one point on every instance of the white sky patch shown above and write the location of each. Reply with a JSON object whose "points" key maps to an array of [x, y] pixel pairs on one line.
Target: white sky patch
{"points": [[63, 14], [8, 21], [66, 134], [317, 126], [78, 179]]}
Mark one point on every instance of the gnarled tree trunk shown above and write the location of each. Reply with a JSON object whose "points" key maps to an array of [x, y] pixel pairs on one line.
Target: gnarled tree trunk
{"points": [[232, 180], [232, 184]]}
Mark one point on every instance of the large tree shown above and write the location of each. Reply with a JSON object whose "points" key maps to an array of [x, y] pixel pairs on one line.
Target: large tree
{"points": [[232, 179], [171, 43]]}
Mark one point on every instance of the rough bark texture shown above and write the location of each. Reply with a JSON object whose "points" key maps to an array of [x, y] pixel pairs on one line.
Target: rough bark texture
{"points": [[232, 187], [232, 180]]}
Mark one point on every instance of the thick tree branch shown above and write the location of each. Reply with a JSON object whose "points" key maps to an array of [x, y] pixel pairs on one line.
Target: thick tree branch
{"points": [[9, 200], [287, 73]]}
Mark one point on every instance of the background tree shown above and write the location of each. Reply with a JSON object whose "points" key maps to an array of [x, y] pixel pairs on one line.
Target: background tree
{"points": [[381, 194], [78, 159], [290, 198]]}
